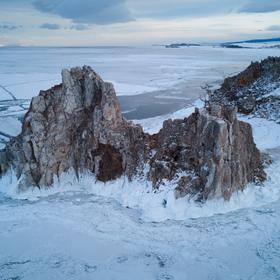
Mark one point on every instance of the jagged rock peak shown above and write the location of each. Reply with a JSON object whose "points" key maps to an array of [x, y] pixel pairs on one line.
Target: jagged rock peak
{"points": [[79, 125]]}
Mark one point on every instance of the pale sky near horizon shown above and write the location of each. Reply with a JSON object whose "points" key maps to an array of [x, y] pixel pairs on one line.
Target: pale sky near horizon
{"points": [[133, 22]]}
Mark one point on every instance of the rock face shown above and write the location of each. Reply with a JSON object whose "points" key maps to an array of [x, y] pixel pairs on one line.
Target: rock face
{"points": [[253, 91], [213, 150], [79, 125]]}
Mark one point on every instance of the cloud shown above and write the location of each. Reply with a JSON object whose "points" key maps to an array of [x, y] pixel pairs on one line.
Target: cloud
{"points": [[87, 11], [55, 26], [9, 27], [273, 28], [260, 6], [79, 27], [163, 9], [104, 12], [50, 26]]}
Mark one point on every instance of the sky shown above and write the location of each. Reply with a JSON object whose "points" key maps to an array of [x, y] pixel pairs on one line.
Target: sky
{"points": [[135, 22]]}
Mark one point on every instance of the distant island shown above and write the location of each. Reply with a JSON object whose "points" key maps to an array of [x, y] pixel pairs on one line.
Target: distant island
{"points": [[180, 45], [249, 44], [233, 46]]}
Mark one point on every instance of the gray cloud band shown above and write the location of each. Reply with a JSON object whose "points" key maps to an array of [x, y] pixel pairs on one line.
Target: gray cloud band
{"points": [[87, 11]]}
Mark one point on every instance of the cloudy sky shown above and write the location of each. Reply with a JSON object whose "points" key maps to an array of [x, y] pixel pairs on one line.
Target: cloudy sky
{"points": [[132, 22]]}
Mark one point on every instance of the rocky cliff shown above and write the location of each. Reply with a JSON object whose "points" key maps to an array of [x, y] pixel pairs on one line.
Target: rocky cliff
{"points": [[215, 152], [256, 90], [78, 125]]}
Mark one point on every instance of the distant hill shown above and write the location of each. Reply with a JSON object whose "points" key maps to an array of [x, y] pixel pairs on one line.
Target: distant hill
{"points": [[254, 41], [233, 46]]}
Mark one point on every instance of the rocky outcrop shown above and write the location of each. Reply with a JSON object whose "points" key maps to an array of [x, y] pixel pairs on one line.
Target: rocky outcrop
{"points": [[253, 90], [213, 151], [78, 125]]}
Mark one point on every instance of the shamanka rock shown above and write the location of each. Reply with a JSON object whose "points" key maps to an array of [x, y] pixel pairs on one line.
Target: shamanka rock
{"points": [[78, 125]]}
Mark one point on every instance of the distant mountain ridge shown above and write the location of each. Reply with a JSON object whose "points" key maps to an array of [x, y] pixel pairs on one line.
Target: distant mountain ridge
{"points": [[254, 41]]}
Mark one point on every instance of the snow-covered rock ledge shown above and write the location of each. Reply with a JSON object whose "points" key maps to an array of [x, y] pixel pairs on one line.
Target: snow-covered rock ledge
{"points": [[78, 125], [254, 91]]}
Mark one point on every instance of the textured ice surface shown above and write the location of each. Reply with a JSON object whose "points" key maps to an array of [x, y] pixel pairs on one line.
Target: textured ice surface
{"points": [[24, 71]]}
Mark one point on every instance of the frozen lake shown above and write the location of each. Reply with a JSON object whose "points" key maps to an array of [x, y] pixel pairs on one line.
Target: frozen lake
{"points": [[87, 230], [150, 81]]}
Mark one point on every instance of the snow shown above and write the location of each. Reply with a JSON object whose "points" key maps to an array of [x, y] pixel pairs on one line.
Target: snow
{"points": [[275, 92], [74, 234], [266, 133], [120, 230]]}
